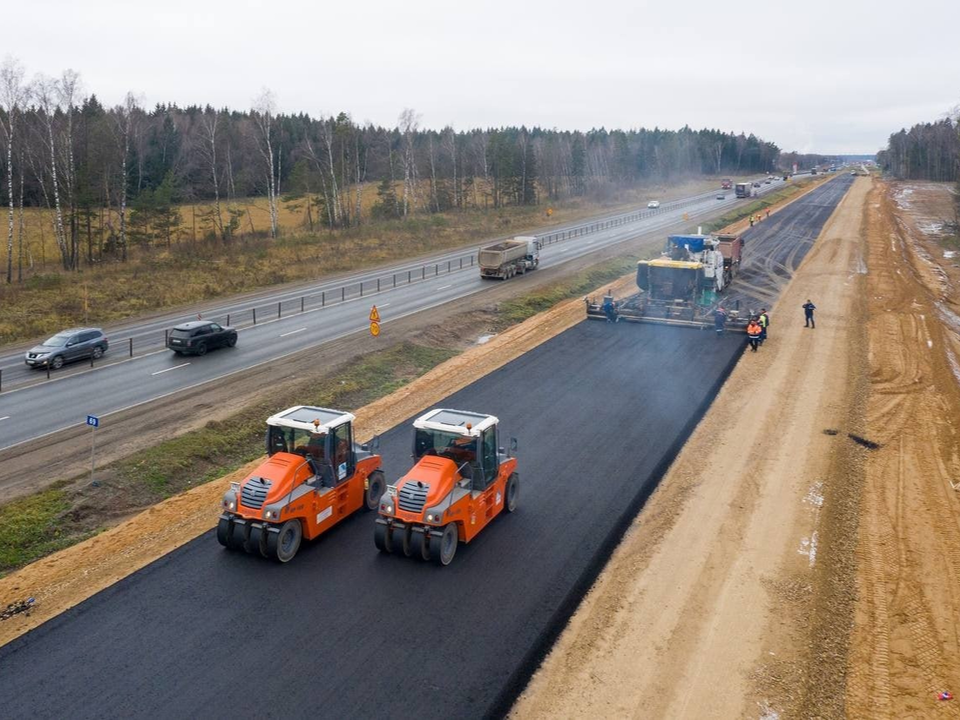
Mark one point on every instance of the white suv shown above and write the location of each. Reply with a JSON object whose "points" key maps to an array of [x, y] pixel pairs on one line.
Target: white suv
{"points": [[654, 204]]}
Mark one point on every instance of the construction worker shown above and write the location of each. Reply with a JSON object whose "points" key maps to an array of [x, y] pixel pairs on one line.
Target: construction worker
{"points": [[753, 333], [808, 308], [610, 308], [719, 320], [764, 321], [768, 213], [751, 221]]}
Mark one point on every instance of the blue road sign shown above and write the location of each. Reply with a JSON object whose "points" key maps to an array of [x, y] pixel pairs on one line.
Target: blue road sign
{"points": [[93, 421]]}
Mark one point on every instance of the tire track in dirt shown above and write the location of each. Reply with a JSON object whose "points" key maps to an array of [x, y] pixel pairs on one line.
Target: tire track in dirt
{"points": [[906, 632]]}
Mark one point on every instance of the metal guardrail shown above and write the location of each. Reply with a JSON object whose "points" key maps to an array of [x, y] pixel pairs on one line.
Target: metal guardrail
{"points": [[259, 314]]}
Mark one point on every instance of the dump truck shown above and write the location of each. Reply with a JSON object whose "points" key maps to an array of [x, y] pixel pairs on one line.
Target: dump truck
{"points": [[509, 257], [461, 481], [314, 476], [682, 286], [743, 190], [731, 249]]}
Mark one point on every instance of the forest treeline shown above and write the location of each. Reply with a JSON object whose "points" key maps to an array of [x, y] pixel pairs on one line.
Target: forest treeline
{"points": [[927, 151], [112, 176]]}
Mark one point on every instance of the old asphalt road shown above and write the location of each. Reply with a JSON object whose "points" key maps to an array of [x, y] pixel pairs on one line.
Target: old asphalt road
{"points": [[32, 408], [345, 632]]}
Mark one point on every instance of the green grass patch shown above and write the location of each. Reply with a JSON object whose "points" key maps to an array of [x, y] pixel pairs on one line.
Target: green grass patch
{"points": [[32, 527]]}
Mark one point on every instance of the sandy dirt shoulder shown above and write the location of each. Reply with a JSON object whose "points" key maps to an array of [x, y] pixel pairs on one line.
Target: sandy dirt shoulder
{"points": [[688, 613], [906, 635]]}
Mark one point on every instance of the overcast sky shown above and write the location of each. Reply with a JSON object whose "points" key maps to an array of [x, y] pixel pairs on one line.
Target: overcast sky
{"points": [[825, 76]]}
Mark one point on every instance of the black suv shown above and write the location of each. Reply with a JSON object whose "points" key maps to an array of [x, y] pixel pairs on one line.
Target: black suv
{"points": [[66, 346], [199, 336]]}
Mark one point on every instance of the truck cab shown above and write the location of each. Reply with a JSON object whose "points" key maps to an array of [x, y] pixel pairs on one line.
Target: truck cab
{"points": [[461, 480], [314, 476]]}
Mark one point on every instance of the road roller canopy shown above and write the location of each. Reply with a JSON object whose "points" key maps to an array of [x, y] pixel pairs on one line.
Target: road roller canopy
{"points": [[456, 422], [311, 419], [463, 437]]}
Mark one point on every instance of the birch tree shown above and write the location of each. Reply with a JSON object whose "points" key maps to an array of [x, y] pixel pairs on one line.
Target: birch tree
{"points": [[409, 123], [209, 124], [264, 107], [68, 90], [126, 126], [13, 97], [45, 92]]}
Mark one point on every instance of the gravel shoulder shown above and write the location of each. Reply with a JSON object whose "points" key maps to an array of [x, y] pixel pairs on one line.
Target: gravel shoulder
{"points": [[708, 605]]}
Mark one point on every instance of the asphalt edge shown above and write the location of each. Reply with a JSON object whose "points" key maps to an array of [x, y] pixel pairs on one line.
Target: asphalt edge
{"points": [[520, 678]]}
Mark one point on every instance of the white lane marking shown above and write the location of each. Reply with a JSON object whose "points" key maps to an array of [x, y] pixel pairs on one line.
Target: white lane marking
{"points": [[292, 332], [445, 287], [384, 305], [175, 367], [5, 417]]}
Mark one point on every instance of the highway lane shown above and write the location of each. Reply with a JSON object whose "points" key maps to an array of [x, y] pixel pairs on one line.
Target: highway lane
{"points": [[150, 330], [149, 333], [35, 410], [343, 632]]}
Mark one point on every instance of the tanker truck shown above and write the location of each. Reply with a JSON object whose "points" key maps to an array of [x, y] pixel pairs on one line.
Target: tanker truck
{"points": [[509, 257]]}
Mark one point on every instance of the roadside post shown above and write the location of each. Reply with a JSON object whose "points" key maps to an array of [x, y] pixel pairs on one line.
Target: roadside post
{"points": [[94, 422], [374, 321]]}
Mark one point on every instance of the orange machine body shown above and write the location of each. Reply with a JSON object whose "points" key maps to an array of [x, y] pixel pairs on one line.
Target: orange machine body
{"points": [[471, 511], [318, 510], [315, 475], [461, 481]]}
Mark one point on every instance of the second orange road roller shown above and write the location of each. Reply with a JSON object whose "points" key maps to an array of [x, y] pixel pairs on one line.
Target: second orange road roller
{"points": [[461, 481]]}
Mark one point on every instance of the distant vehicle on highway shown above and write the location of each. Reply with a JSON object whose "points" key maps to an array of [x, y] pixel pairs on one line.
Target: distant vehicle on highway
{"points": [[67, 346], [509, 257], [654, 204], [721, 196], [198, 336], [726, 184], [756, 184]]}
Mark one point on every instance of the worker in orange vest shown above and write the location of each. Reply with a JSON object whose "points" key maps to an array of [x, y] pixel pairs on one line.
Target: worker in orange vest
{"points": [[753, 333]]}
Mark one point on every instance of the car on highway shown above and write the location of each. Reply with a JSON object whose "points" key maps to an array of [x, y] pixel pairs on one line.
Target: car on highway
{"points": [[67, 346], [198, 336], [756, 184], [653, 204], [721, 196]]}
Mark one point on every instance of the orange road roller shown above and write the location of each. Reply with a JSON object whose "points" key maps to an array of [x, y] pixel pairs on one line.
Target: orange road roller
{"points": [[315, 475], [461, 481]]}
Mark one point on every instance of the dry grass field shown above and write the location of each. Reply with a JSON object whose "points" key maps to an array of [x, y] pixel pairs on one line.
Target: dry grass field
{"points": [[195, 268]]}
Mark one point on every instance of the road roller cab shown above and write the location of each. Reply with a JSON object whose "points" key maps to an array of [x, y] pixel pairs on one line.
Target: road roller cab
{"points": [[315, 475], [461, 481]]}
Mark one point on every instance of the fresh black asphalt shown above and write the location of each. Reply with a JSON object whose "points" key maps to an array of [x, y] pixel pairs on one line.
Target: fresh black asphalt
{"points": [[344, 632]]}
